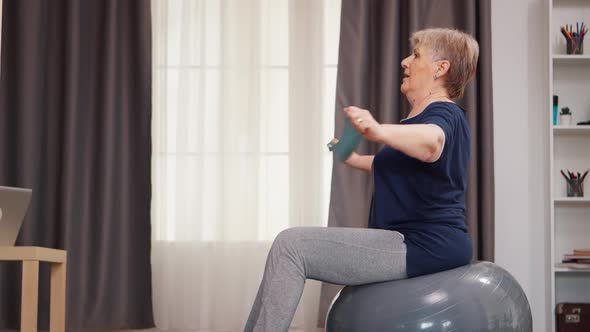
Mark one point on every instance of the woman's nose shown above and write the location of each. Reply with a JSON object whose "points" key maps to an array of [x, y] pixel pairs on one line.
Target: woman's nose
{"points": [[405, 62]]}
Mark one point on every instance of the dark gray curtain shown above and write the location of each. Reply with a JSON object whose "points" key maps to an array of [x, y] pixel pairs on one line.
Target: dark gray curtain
{"points": [[374, 38], [75, 117]]}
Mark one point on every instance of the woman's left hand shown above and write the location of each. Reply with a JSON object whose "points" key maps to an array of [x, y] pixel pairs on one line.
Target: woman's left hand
{"points": [[364, 123]]}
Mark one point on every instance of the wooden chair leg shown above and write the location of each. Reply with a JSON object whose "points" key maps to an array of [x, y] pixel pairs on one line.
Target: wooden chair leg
{"points": [[57, 319], [29, 296]]}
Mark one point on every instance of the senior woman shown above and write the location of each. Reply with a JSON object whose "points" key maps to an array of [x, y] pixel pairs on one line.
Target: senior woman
{"points": [[417, 220]]}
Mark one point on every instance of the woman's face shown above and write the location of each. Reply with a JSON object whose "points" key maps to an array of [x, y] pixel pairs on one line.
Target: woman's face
{"points": [[419, 70]]}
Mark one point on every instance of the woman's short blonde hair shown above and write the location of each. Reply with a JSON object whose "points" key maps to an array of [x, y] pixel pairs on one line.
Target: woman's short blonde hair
{"points": [[457, 47]]}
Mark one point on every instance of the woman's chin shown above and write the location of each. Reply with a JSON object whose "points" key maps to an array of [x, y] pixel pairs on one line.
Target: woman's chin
{"points": [[403, 88]]}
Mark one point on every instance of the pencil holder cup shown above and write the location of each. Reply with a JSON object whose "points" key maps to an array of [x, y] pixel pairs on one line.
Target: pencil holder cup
{"points": [[575, 188], [573, 47]]}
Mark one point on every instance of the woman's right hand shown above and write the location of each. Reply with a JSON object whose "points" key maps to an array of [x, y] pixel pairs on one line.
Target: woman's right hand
{"points": [[357, 161], [351, 159], [347, 161]]}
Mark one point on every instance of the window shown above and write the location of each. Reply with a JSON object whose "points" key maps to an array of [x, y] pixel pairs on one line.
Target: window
{"points": [[243, 106]]}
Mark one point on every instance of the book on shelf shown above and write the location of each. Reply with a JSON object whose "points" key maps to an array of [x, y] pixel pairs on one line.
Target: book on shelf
{"points": [[581, 252], [578, 257], [575, 258]]}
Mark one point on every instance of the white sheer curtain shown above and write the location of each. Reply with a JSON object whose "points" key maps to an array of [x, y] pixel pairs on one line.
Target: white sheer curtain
{"points": [[243, 105]]}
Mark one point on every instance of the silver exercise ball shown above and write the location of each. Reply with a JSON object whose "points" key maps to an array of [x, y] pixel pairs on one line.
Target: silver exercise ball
{"points": [[478, 297]]}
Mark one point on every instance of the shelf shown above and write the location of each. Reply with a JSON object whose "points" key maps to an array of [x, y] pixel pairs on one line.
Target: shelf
{"points": [[571, 130], [569, 270], [570, 59], [572, 200]]}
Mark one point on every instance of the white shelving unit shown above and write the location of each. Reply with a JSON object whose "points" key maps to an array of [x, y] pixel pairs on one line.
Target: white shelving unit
{"points": [[569, 78]]}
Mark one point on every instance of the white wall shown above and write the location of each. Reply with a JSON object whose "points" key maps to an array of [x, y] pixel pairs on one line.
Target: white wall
{"points": [[520, 73]]}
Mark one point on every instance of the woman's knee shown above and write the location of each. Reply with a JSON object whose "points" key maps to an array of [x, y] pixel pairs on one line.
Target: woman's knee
{"points": [[296, 233], [288, 235], [288, 238]]}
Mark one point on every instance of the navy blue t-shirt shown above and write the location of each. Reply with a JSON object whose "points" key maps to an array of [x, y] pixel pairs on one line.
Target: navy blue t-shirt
{"points": [[426, 201]]}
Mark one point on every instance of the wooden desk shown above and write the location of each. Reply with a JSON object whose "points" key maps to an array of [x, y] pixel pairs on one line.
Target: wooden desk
{"points": [[30, 258]]}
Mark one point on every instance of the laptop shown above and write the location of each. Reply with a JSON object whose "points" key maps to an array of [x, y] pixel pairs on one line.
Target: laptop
{"points": [[14, 203]]}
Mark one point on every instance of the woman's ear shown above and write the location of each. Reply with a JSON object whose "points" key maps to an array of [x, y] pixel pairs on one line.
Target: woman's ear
{"points": [[442, 67]]}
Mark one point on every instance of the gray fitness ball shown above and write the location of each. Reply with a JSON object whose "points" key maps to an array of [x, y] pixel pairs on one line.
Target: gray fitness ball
{"points": [[478, 297]]}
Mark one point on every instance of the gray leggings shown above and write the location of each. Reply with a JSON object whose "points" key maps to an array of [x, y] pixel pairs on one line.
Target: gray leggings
{"points": [[343, 256]]}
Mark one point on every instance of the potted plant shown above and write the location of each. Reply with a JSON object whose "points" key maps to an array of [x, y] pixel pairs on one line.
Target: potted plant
{"points": [[565, 117]]}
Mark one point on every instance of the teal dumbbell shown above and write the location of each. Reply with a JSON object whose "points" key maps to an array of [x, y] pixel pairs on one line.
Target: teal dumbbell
{"points": [[348, 142]]}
